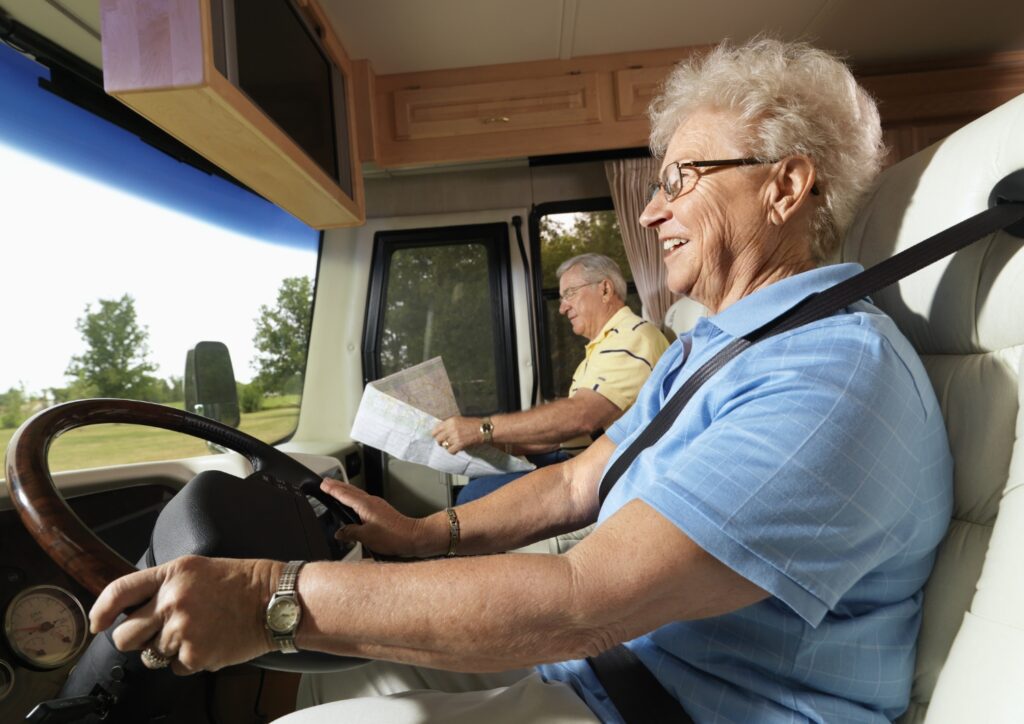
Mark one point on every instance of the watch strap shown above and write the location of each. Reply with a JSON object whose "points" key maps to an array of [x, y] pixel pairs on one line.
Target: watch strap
{"points": [[287, 584], [289, 577]]}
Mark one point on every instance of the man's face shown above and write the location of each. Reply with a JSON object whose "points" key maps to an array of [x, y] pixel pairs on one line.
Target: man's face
{"points": [[584, 307], [702, 232]]}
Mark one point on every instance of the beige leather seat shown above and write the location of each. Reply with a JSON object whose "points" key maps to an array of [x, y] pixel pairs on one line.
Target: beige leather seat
{"points": [[965, 316], [683, 315]]}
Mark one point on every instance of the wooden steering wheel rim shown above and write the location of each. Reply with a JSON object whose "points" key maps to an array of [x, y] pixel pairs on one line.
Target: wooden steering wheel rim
{"points": [[49, 519]]}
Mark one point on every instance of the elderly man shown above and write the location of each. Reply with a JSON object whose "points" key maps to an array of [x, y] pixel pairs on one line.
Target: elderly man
{"points": [[621, 351], [764, 559]]}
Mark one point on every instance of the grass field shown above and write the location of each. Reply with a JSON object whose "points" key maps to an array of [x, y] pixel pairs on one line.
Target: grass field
{"points": [[99, 445]]}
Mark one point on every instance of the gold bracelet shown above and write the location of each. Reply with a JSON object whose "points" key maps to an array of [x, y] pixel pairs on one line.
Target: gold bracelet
{"points": [[454, 532]]}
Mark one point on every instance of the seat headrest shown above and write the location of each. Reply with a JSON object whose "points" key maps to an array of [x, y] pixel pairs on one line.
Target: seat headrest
{"points": [[976, 292]]}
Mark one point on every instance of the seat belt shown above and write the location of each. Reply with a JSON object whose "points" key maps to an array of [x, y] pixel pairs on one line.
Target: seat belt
{"points": [[636, 693]]}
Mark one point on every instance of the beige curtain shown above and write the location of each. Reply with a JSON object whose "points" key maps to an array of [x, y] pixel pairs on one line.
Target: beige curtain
{"points": [[628, 179]]}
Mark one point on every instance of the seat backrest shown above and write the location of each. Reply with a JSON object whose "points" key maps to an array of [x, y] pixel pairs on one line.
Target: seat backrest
{"points": [[965, 317], [683, 315]]}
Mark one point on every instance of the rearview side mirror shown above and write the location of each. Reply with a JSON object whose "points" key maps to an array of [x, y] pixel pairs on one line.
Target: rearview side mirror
{"points": [[210, 383]]}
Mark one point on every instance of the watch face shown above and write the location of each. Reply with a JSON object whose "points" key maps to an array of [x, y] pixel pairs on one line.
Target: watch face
{"points": [[283, 615]]}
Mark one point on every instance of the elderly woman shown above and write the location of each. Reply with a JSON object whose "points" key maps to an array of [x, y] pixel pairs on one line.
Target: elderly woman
{"points": [[764, 558]]}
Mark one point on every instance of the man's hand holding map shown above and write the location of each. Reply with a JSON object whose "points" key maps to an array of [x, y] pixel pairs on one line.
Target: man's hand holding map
{"points": [[398, 412]]}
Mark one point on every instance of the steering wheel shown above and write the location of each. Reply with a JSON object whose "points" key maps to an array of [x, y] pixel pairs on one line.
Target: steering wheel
{"points": [[79, 552]]}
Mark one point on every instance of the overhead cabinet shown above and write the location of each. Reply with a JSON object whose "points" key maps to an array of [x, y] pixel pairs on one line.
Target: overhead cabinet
{"points": [[515, 110], [160, 58]]}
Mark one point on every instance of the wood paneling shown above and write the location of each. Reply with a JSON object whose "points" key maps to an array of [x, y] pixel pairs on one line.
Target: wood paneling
{"points": [[597, 128], [154, 45], [365, 108], [158, 60], [569, 100], [635, 88], [919, 104]]}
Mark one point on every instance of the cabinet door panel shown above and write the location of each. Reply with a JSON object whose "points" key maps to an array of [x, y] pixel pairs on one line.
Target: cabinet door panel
{"points": [[497, 107]]}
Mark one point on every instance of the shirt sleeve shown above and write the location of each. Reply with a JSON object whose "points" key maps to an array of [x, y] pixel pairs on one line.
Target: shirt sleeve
{"points": [[620, 364], [802, 481]]}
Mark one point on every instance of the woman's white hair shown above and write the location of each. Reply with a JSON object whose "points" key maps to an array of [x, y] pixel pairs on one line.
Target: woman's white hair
{"points": [[792, 99]]}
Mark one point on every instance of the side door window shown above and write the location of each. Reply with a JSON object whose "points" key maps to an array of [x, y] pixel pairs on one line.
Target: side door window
{"points": [[560, 231], [445, 292]]}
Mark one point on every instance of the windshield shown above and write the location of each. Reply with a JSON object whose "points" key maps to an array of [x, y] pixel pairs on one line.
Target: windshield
{"points": [[117, 258]]}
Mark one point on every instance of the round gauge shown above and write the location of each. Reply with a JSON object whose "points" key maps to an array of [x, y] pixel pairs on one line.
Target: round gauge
{"points": [[46, 626], [6, 679]]}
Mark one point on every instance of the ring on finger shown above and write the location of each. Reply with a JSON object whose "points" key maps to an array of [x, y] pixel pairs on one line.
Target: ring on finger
{"points": [[153, 659], [446, 444]]}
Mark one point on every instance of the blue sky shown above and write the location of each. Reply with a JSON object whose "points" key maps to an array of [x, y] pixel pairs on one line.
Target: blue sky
{"points": [[89, 211]]}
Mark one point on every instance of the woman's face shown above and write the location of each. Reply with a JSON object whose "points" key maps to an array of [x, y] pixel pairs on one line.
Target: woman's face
{"points": [[704, 233]]}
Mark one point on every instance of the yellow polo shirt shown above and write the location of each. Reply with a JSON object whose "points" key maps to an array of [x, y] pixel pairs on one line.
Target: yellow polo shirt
{"points": [[618, 361]]}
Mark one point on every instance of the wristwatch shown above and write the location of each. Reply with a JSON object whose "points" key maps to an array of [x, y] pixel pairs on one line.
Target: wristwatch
{"points": [[284, 610], [487, 429]]}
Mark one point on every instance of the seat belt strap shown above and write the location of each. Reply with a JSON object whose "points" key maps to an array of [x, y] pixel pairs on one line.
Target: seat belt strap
{"points": [[638, 696], [633, 689]]}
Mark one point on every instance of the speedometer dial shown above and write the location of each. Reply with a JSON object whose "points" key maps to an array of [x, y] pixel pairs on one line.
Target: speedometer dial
{"points": [[45, 626]]}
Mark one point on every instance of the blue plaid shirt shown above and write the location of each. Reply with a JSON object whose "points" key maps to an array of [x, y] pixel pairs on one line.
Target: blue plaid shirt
{"points": [[816, 465]]}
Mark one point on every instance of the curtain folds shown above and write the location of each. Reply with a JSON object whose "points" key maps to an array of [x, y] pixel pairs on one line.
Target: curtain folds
{"points": [[628, 179]]}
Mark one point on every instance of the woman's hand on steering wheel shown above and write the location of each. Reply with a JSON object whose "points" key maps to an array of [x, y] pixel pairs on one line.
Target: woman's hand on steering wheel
{"points": [[384, 530], [201, 614]]}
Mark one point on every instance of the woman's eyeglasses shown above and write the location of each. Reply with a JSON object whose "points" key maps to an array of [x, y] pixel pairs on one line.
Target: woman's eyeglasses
{"points": [[680, 177]]}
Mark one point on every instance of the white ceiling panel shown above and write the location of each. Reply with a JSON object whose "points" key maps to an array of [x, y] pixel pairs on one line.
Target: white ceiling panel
{"points": [[412, 35], [614, 26], [881, 31], [407, 35]]}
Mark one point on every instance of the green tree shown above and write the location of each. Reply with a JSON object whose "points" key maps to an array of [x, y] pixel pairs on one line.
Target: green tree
{"points": [[594, 231], [282, 336], [250, 396], [12, 407], [166, 390], [439, 303], [114, 363]]}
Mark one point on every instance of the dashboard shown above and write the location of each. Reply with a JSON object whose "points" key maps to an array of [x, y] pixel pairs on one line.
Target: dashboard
{"points": [[44, 611]]}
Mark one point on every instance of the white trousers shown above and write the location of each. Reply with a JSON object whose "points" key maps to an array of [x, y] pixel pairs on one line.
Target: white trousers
{"points": [[387, 693]]}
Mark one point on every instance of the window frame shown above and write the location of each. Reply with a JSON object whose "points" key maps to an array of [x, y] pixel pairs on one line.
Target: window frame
{"points": [[494, 238], [540, 295]]}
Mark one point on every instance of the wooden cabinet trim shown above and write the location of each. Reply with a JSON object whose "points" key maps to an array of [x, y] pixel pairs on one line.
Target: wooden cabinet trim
{"points": [[496, 107], [912, 100], [635, 88]]}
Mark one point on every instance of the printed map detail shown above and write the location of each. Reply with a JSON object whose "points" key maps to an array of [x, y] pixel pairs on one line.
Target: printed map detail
{"points": [[398, 412]]}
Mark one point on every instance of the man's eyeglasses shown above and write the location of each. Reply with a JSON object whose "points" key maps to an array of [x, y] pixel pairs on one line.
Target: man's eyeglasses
{"points": [[571, 291], [680, 177]]}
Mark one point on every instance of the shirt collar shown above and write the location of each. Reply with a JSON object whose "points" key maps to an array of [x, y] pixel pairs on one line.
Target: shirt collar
{"points": [[765, 304], [612, 322]]}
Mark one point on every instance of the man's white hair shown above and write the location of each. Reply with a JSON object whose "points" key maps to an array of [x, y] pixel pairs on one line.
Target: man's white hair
{"points": [[594, 268], [790, 98]]}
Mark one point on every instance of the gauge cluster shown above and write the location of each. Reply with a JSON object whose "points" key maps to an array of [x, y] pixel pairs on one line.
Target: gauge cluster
{"points": [[45, 626]]}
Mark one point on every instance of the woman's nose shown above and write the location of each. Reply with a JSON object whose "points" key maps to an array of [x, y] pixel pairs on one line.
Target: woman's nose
{"points": [[655, 212]]}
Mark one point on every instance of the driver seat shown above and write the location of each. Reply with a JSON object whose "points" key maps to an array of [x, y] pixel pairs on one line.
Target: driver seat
{"points": [[964, 315]]}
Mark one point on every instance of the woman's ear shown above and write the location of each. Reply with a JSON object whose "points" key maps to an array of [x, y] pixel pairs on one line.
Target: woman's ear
{"points": [[789, 191]]}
